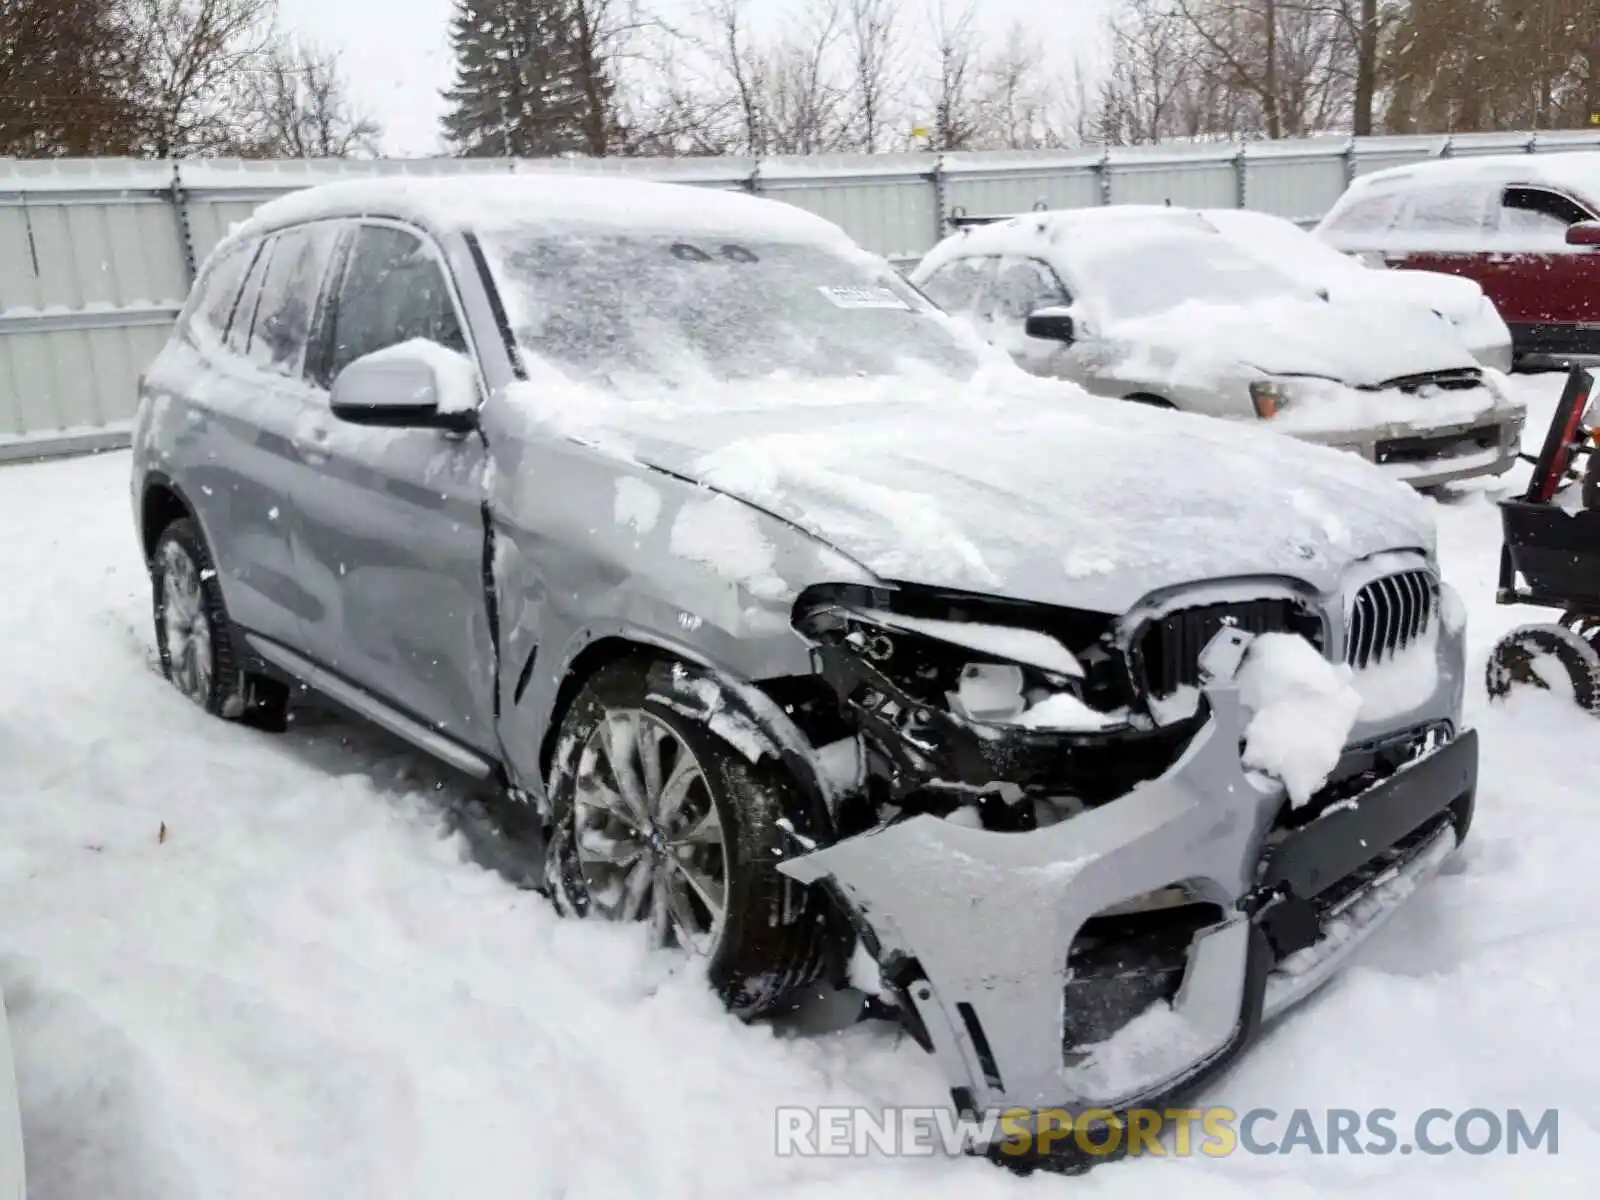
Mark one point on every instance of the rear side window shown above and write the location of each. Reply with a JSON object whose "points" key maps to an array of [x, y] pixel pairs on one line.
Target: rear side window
{"points": [[244, 312], [1368, 214], [1447, 209], [289, 291], [394, 290], [218, 291], [1539, 213], [954, 286], [1025, 285]]}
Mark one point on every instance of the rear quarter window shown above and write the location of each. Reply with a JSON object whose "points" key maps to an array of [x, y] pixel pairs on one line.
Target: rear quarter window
{"points": [[1447, 209], [1363, 215], [244, 311], [217, 292]]}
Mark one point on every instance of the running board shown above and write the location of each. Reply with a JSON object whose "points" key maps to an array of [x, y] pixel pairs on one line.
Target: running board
{"points": [[371, 708]]}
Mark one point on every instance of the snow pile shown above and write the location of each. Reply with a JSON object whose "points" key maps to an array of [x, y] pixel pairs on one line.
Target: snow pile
{"points": [[1302, 710], [1399, 683]]}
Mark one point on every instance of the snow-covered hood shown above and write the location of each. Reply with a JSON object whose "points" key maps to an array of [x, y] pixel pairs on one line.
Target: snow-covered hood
{"points": [[1361, 342], [1031, 489], [1451, 296]]}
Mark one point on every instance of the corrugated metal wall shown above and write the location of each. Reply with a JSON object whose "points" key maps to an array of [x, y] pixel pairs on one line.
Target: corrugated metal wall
{"points": [[96, 256]]}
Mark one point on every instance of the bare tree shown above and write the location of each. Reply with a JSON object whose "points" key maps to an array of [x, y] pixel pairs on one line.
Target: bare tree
{"points": [[1012, 101], [297, 105], [600, 31], [191, 57], [736, 56], [1153, 65], [64, 84], [1461, 65], [952, 82], [805, 97], [872, 33], [1367, 33]]}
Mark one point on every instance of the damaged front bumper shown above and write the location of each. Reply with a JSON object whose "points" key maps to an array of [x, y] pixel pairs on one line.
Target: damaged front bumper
{"points": [[982, 937]]}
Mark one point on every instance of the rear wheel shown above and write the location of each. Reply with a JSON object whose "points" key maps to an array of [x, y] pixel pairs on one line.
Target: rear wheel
{"points": [[195, 638], [657, 820], [1550, 658]]}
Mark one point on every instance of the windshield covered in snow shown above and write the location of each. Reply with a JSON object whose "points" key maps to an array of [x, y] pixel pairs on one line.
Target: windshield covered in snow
{"points": [[1136, 277], [607, 305]]}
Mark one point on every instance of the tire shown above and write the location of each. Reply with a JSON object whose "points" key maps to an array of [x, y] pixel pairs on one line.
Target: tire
{"points": [[717, 840], [1514, 663], [1150, 401], [195, 638]]}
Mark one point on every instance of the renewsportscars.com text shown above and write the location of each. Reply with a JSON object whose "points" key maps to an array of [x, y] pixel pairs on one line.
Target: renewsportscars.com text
{"points": [[1174, 1132]]}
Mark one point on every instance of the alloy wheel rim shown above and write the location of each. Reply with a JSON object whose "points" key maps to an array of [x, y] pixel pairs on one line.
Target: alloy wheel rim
{"points": [[187, 628], [647, 835]]}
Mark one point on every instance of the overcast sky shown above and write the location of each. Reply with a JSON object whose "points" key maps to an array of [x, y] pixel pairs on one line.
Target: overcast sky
{"points": [[397, 52]]}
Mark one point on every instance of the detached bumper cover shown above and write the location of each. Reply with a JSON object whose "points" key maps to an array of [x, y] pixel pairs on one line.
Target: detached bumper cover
{"points": [[974, 928]]}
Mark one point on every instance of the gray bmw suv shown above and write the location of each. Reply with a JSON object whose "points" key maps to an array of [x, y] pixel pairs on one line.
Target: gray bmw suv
{"points": [[803, 628]]}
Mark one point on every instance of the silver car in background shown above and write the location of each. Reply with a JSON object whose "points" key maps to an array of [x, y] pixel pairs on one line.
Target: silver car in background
{"points": [[1155, 305], [800, 627]]}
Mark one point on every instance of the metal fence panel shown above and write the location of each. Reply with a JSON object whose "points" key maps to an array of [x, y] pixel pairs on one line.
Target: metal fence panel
{"points": [[977, 185], [1299, 181], [96, 255], [74, 380], [888, 207]]}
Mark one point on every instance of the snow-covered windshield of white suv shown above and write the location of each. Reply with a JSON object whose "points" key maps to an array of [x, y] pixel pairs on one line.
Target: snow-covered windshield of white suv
{"points": [[1141, 277], [607, 306]]}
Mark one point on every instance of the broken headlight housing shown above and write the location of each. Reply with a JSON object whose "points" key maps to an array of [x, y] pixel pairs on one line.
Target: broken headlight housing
{"points": [[960, 695], [988, 674]]}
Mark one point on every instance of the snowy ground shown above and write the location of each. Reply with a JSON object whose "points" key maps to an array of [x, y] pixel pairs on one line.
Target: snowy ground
{"points": [[310, 989]]}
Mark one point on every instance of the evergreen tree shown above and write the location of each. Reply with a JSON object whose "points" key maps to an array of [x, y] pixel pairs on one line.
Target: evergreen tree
{"points": [[520, 87]]}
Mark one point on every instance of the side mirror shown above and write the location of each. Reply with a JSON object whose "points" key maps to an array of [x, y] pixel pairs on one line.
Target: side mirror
{"points": [[1584, 233], [1050, 325], [408, 387]]}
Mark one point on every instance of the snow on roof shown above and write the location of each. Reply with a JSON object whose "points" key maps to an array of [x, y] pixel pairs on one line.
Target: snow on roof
{"points": [[1577, 171], [459, 203], [1038, 234]]}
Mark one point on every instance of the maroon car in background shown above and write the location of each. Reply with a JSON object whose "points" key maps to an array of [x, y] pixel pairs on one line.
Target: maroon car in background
{"points": [[1525, 227]]}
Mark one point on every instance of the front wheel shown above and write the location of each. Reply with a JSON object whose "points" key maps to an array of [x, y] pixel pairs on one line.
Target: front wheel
{"points": [[657, 819]]}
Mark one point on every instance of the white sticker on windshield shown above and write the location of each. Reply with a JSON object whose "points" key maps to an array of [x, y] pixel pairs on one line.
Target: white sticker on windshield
{"points": [[864, 297]]}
